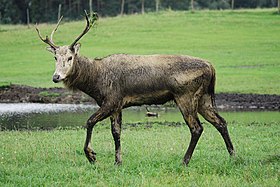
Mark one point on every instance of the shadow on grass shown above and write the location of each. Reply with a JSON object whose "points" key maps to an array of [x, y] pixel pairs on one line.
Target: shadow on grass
{"points": [[271, 159]]}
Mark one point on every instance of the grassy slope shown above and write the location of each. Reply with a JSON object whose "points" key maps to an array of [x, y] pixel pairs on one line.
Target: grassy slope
{"points": [[152, 156], [243, 45]]}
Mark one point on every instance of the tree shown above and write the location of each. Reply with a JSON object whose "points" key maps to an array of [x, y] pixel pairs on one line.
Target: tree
{"points": [[143, 6], [59, 12], [278, 6], [157, 5], [90, 7], [192, 5], [15, 11], [122, 7], [10, 12]]}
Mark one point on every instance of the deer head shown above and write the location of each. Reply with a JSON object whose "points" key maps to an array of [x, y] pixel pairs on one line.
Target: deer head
{"points": [[65, 55]]}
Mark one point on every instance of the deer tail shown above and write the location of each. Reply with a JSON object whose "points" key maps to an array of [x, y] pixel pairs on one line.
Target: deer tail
{"points": [[211, 88]]}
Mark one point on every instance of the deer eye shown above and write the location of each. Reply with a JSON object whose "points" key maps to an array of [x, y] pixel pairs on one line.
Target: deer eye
{"points": [[70, 58]]}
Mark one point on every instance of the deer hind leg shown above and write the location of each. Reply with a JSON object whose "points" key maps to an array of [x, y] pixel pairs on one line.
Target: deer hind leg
{"points": [[207, 110], [188, 109], [116, 121]]}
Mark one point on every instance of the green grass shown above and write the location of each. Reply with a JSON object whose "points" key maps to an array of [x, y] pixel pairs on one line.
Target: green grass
{"points": [[48, 94], [152, 156], [243, 45]]}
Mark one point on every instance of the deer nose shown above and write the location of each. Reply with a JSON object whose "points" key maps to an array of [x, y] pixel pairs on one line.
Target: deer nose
{"points": [[56, 78]]}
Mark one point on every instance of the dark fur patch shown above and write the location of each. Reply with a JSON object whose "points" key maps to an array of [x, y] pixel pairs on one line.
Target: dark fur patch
{"points": [[140, 77]]}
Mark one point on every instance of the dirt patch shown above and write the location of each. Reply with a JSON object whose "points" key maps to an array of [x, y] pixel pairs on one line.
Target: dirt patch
{"points": [[224, 101], [26, 94]]}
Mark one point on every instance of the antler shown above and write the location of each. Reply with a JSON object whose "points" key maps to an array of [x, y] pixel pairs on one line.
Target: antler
{"points": [[47, 40], [90, 23]]}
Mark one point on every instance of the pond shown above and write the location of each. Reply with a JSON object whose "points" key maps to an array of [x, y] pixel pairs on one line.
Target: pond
{"points": [[31, 116]]}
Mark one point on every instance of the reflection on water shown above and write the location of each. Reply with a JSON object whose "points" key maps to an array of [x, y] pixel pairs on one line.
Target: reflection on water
{"points": [[22, 116], [42, 121], [24, 108], [30, 116]]}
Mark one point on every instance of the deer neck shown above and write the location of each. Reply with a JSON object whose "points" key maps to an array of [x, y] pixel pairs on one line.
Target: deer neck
{"points": [[82, 75]]}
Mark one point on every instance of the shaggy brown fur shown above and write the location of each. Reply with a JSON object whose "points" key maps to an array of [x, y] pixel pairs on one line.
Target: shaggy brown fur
{"points": [[119, 81]]}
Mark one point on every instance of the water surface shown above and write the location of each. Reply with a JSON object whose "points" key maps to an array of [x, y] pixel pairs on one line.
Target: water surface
{"points": [[31, 116]]}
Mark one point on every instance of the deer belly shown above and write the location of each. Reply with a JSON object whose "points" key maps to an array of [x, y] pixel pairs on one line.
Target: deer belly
{"points": [[158, 97]]}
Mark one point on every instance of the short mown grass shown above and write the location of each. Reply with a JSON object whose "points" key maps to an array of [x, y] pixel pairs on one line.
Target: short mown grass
{"points": [[243, 45], [152, 156], [49, 94]]}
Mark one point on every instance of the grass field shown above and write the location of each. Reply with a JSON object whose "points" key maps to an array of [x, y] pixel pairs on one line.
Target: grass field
{"points": [[152, 156], [243, 45]]}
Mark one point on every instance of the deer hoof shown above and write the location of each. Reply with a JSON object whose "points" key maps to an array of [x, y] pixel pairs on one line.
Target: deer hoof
{"points": [[118, 163], [232, 153], [186, 162], [91, 156]]}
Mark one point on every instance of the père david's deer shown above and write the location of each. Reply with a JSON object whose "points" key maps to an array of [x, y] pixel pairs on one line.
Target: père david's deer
{"points": [[120, 81]]}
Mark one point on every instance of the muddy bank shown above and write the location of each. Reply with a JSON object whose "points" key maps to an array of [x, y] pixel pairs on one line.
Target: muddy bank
{"points": [[224, 101], [27, 94]]}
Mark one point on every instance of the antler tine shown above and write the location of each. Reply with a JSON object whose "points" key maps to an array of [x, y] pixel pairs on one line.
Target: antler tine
{"points": [[55, 28], [90, 23], [47, 40]]}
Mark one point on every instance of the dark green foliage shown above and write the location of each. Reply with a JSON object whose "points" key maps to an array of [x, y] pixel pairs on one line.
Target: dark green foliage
{"points": [[14, 11], [8, 12], [255, 3]]}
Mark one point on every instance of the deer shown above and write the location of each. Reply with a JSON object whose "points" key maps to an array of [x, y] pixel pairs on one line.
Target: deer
{"points": [[119, 81]]}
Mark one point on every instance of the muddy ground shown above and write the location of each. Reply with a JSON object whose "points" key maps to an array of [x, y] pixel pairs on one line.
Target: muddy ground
{"points": [[224, 101]]}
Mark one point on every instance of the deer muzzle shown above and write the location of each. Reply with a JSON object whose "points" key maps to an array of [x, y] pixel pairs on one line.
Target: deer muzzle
{"points": [[56, 78]]}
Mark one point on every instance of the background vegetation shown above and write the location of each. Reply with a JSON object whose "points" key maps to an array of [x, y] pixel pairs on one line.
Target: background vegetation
{"points": [[243, 45], [15, 11]]}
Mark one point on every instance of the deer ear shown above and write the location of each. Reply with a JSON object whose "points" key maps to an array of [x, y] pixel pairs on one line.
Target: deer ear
{"points": [[76, 48], [51, 49]]}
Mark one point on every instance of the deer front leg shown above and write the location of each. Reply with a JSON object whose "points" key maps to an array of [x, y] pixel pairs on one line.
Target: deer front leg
{"points": [[116, 121], [103, 112]]}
